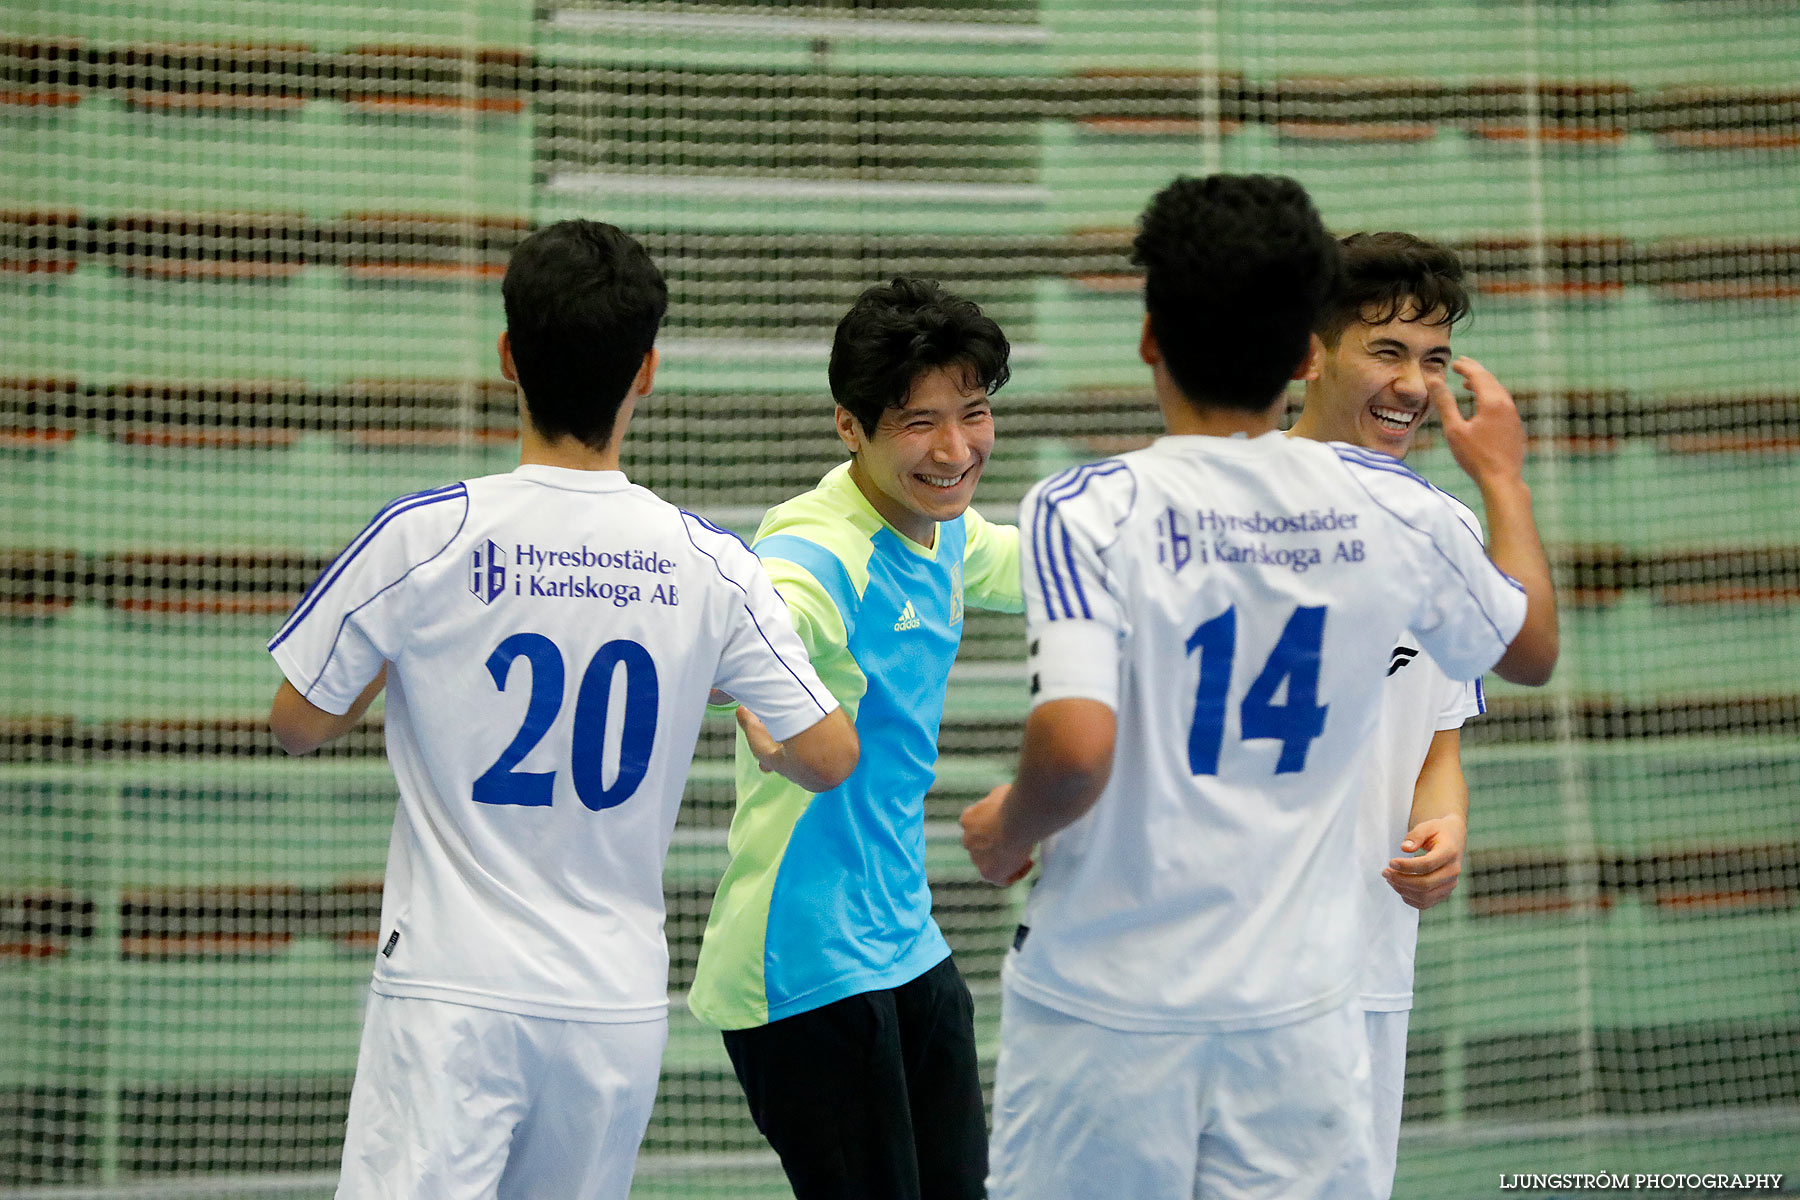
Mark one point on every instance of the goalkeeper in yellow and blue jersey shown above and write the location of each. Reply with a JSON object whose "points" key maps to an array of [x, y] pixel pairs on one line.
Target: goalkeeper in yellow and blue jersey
{"points": [[849, 1027]]}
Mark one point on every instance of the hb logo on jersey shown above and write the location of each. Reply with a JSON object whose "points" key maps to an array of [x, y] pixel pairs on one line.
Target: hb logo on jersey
{"points": [[1174, 545], [487, 573]]}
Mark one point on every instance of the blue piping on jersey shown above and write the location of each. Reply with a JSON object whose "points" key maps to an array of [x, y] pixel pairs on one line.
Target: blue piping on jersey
{"points": [[1375, 458], [1440, 550], [1039, 556], [336, 570], [338, 636], [1076, 478], [716, 529], [1074, 573], [1480, 699], [750, 612], [1067, 486], [1377, 461]]}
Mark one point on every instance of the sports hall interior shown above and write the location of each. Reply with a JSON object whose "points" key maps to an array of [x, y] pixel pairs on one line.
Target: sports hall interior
{"points": [[250, 258]]}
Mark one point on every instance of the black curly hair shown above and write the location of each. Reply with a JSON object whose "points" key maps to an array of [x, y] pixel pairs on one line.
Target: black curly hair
{"points": [[896, 332], [1237, 268], [1386, 275]]}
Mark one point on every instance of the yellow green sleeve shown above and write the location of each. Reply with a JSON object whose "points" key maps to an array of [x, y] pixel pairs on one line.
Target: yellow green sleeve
{"points": [[816, 618], [991, 565]]}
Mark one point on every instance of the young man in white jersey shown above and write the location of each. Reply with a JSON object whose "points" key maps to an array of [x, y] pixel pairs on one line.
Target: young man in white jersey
{"points": [[1383, 346], [548, 639], [1209, 622]]}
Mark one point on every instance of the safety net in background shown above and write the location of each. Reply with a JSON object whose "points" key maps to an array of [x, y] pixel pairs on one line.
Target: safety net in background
{"points": [[249, 266]]}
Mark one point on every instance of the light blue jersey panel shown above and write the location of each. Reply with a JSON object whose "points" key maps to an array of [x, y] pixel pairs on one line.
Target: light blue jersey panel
{"points": [[851, 911]]}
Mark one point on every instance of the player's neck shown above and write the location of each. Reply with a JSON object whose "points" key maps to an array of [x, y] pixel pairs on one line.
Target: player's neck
{"points": [[1307, 426], [1182, 416], [570, 452], [567, 452]]}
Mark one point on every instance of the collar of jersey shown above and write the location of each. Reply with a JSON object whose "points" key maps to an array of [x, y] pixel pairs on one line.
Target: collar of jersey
{"points": [[1260, 444], [839, 478], [572, 480]]}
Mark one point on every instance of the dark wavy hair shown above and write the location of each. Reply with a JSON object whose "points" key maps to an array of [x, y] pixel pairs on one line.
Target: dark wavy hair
{"points": [[583, 303], [896, 332], [1237, 268], [1385, 275]]}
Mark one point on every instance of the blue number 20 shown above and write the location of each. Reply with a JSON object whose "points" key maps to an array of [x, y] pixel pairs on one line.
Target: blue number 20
{"points": [[1294, 723], [501, 784]]}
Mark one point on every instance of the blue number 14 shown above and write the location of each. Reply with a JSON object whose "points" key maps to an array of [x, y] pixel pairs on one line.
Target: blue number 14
{"points": [[1294, 723]]}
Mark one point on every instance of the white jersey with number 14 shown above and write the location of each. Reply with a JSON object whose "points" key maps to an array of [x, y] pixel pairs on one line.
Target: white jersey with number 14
{"points": [[1235, 602]]}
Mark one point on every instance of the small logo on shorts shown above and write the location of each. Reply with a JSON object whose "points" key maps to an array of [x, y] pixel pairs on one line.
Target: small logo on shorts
{"points": [[387, 951], [1401, 656], [487, 572]]}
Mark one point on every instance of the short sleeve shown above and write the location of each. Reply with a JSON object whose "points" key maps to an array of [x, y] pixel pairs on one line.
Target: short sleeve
{"points": [[764, 665], [1468, 609], [1457, 701], [352, 619], [991, 565], [1074, 618]]}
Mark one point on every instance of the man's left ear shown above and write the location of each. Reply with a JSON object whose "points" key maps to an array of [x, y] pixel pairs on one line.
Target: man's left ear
{"points": [[646, 376], [849, 430], [508, 369], [1314, 360]]}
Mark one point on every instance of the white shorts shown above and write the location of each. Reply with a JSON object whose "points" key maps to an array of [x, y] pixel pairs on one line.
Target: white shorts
{"points": [[1387, 1087], [453, 1102], [1083, 1111]]}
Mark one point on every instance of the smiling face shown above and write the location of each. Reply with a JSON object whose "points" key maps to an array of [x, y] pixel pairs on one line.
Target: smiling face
{"points": [[1372, 389], [921, 464]]}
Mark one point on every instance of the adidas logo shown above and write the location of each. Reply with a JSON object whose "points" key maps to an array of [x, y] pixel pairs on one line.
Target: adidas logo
{"points": [[1400, 657], [909, 619]]}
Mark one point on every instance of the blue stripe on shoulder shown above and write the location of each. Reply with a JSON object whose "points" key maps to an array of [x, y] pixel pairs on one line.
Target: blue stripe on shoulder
{"points": [[331, 574], [820, 563], [702, 521], [1045, 543], [1374, 460]]}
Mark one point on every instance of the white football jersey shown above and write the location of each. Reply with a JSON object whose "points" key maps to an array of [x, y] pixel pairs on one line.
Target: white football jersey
{"points": [[1417, 700], [1235, 601], [552, 636]]}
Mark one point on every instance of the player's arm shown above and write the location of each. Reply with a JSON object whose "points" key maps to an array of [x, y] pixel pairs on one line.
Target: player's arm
{"points": [[1490, 447], [1064, 764], [1437, 829], [302, 726], [1072, 623], [792, 623], [817, 759]]}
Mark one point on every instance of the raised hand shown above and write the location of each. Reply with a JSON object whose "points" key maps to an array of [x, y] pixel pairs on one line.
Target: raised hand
{"points": [[1489, 445]]}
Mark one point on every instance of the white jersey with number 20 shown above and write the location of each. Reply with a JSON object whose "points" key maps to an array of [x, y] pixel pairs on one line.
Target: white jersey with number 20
{"points": [[552, 637], [1235, 602]]}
